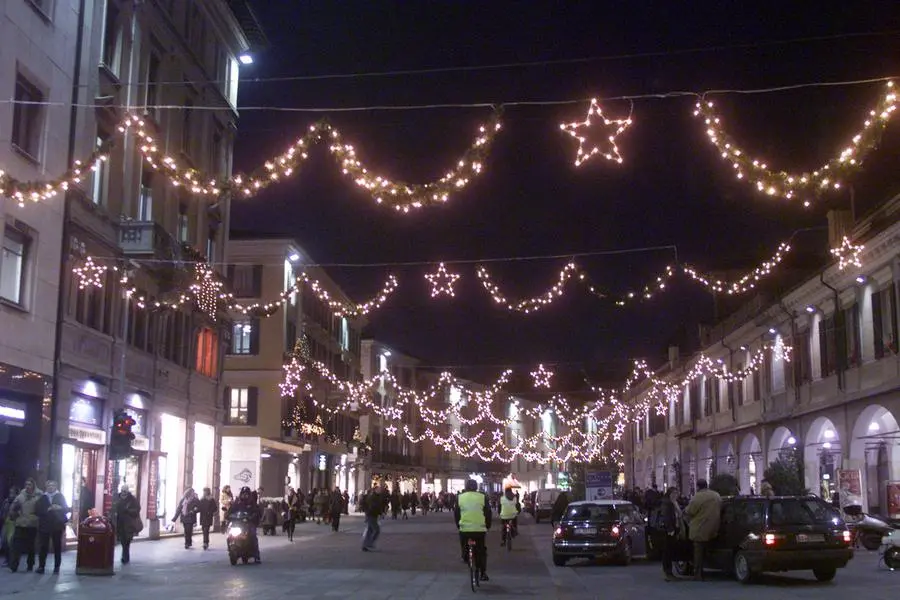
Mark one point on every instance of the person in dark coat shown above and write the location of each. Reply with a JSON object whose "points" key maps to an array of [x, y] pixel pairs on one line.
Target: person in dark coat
{"points": [[53, 514], [126, 513], [187, 512], [672, 524], [559, 508], [208, 509], [85, 501], [337, 508]]}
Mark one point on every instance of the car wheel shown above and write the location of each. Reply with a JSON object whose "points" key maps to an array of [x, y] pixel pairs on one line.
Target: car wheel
{"points": [[625, 555], [742, 570], [559, 560], [871, 541], [892, 558], [825, 573]]}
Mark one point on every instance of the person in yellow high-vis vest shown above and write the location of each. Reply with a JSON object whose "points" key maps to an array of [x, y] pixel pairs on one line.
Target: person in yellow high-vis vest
{"points": [[473, 519], [509, 511]]}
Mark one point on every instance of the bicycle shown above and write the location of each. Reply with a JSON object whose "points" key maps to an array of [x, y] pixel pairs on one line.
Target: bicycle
{"points": [[473, 569], [508, 531]]}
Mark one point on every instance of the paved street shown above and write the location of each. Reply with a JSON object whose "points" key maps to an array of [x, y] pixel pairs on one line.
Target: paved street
{"points": [[415, 559]]}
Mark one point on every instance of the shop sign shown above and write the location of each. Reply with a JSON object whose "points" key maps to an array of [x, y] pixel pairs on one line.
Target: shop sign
{"points": [[140, 443], [152, 484], [243, 473], [108, 488], [893, 499], [849, 487], [12, 413], [598, 485], [87, 435], [322, 461]]}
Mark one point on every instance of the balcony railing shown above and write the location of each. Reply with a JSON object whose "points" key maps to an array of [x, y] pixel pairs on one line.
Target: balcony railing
{"points": [[147, 238]]}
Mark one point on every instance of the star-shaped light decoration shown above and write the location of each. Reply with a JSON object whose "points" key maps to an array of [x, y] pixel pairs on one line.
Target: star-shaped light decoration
{"points": [[498, 435], [617, 126], [442, 281], [542, 377], [89, 274], [391, 430], [848, 254], [206, 290]]}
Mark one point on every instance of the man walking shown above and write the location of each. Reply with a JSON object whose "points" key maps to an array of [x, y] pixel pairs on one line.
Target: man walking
{"points": [[372, 504], [53, 514], [207, 511], [703, 514]]}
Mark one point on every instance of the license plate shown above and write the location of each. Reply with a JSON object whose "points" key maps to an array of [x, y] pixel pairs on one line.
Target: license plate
{"points": [[803, 538], [586, 531]]}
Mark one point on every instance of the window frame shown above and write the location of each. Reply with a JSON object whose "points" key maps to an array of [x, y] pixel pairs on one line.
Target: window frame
{"points": [[24, 255], [28, 119]]}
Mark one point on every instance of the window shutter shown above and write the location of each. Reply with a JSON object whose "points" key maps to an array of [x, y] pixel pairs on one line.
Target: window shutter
{"points": [[252, 402], [226, 404], [257, 281], [254, 336]]}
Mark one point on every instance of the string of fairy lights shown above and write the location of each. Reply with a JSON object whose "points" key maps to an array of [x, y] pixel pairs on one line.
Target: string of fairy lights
{"points": [[462, 420], [596, 136], [207, 289]]}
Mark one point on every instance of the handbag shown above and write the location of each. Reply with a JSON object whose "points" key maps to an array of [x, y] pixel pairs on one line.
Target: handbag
{"points": [[137, 525]]}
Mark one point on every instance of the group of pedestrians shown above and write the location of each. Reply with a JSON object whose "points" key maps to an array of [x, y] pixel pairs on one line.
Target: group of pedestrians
{"points": [[697, 523], [33, 521]]}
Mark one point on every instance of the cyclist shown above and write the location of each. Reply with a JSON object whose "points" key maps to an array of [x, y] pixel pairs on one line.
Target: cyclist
{"points": [[473, 519], [509, 513]]}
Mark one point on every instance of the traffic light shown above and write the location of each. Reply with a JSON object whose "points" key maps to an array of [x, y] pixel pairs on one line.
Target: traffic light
{"points": [[121, 436]]}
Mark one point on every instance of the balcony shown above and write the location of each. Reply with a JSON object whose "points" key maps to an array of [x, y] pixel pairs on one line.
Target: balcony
{"points": [[147, 238]]}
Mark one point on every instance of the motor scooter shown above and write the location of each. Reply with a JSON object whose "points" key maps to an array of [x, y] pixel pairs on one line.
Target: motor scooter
{"points": [[890, 550], [239, 540], [865, 528]]}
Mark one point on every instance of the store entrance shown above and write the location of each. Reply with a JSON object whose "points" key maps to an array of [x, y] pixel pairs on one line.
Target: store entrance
{"points": [[78, 482]]}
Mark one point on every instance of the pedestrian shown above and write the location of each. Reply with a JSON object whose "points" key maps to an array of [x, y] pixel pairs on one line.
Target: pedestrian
{"points": [[187, 512], [53, 514], [207, 511], [703, 514], [766, 489], [372, 504], [7, 525], [337, 507], [672, 523], [559, 508], [85, 501], [26, 521], [346, 502], [127, 519], [226, 499], [292, 512]]}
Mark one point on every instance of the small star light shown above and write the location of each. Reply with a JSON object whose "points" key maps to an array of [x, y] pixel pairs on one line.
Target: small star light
{"points": [[442, 281], [207, 290], [89, 274], [391, 430], [848, 254], [542, 377], [618, 125]]}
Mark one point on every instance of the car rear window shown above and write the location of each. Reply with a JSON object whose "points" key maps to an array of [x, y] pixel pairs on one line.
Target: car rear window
{"points": [[801, 511], [593, 512]]}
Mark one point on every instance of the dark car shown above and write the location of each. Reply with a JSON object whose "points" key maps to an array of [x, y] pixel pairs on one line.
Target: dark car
{"points": [[599, 529], [782, 533]]}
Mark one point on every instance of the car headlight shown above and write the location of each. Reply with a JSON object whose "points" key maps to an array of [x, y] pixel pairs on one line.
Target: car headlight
{"points": [[235, 531]]}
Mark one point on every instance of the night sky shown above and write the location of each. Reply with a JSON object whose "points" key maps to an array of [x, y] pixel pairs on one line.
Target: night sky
{"points": [[671, 190]]}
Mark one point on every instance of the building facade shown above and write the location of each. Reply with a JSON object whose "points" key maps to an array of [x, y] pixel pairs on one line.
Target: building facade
{"points": [[36, 67], [270, 441], [833, 408], [117, 349]]}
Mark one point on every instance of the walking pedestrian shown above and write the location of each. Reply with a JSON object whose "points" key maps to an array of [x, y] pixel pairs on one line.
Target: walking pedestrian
{"points": [[53, 514], [26, 522], [207, 510], [337, 508], [7, 525], [372, 504], [292, 512], [187, 512], [127, 519], [672, 522], [703, 514], [226, 499]]}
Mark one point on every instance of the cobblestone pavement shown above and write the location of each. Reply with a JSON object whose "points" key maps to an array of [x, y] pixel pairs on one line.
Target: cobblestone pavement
{"points": [[418, 558]]}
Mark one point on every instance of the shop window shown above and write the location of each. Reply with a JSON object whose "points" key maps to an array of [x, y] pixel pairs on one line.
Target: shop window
{"points": [[246, 280], [241, 403], [884, 321], [245, 337], [207, 362], [27, 118], [13, 265]]}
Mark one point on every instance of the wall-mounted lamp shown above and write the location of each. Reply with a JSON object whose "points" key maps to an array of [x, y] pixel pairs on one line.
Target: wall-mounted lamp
{"points": [[246, 59], [860, 279], [810, 309]]}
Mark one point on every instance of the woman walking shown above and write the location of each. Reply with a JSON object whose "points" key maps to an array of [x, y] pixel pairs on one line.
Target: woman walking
{"points": [[292, 513], [187, 512], [126, 516], [226, 499]]}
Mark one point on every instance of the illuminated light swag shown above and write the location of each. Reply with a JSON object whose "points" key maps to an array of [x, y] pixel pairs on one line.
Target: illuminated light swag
{"points": [[787, 185], [485, 440], [399, 195]]}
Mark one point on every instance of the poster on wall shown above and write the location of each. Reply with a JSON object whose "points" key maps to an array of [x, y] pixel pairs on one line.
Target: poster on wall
{"points": [[893, 499], [242, 473], [598, 485], [849, 488]]}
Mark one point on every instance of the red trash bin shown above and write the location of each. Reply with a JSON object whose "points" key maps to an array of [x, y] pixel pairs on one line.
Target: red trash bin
{"points": [[96, 547]]}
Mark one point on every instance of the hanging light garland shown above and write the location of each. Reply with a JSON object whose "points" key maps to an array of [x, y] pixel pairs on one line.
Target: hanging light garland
{"points": [[584, 129], [806, 185], [530, 305]]}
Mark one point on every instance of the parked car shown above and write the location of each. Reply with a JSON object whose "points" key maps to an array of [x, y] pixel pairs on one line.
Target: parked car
{"points": [[782, 533], [543, 503], [600, 529]]}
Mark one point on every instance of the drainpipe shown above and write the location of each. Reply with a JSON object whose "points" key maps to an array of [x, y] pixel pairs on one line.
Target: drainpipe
{"points": [[52, 466], [838, 328]]}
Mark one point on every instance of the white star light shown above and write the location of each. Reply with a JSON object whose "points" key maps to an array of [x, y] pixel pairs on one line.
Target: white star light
{"points": [[542, 377], [442, 281], [612, 153], [391, 430], [848, 254]]}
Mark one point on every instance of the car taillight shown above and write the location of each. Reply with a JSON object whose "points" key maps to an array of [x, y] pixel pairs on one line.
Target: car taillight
{"points": [[848, 537], [615, 530], [559, 532], [770, 539]]}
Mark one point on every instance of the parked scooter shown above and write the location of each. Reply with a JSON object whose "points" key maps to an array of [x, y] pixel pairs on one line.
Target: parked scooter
{"points": [[239, 540], [866, 529]]}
